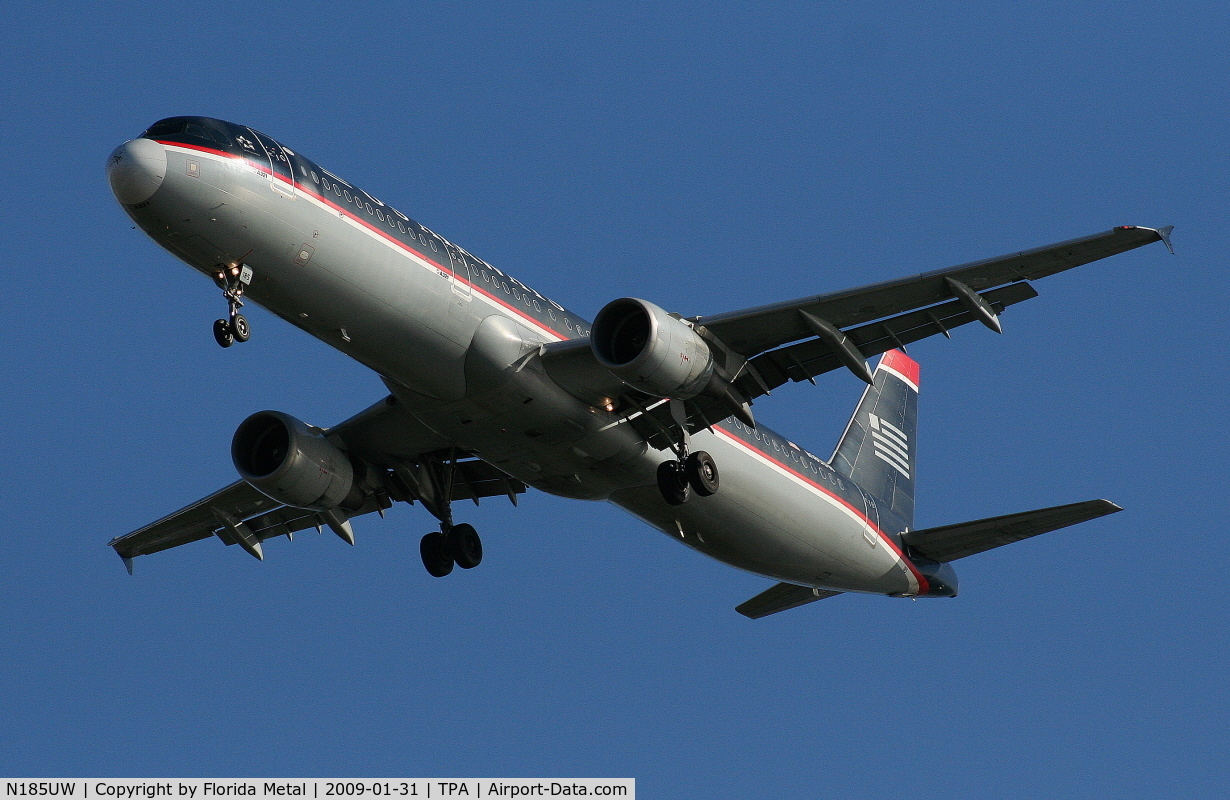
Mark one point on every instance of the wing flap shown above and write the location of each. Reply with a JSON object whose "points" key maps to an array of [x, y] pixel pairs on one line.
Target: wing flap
{"points": [[193, 522], [950, 542], [807, 359], [781, 597]]}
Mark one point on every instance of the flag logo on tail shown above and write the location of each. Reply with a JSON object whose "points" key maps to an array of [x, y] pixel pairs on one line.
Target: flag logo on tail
{"points": [[890, 445]]}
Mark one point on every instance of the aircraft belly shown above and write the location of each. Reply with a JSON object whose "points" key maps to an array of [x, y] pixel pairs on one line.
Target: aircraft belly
{"points": [[520, 421], [765, 522]]}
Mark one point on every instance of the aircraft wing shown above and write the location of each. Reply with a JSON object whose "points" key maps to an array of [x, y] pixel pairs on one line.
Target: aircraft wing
{"points": [[766, 346], [756, 330], [383, 435]]}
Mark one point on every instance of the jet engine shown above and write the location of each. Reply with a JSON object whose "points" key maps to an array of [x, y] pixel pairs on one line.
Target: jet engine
{"points": [[289, 462], [650, 350]]}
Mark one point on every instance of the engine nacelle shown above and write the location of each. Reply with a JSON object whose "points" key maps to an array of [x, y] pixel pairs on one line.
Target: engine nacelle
{"points": [[650, 350], [285, 460]]}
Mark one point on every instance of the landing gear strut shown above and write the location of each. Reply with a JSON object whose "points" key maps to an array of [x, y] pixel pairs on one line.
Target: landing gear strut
{"points": [[235, 328]]}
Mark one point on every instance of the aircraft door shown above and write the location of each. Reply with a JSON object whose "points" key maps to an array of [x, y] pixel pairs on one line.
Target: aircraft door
{"points": [[872, 525], [282, 173], [461, 273], [462, 293]]}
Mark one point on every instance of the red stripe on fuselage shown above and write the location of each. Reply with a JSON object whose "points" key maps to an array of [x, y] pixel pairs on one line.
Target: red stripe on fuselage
{"points": [[311, 191], [923, 585]]}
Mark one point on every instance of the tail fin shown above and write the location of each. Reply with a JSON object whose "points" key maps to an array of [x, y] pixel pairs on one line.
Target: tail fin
{"points": [[877, 449]]}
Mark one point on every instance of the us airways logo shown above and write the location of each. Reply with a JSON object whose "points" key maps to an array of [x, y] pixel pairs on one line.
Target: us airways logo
{"points": [[890, 445]]}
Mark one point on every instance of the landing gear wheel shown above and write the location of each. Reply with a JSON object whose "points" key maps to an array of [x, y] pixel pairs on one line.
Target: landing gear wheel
{"points": [[240, 328], [222, 333], [437, 556], [702, 473], [466, 547], [672, 483]]}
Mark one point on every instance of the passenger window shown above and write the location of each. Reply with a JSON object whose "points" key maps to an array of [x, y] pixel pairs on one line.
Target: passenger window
{"points": [[316, 178], [348, 197], [368, 206], [380, 216], [401, 227]]}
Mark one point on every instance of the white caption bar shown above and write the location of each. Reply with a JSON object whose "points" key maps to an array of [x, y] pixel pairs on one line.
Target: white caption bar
{"points": [[326, 788]]}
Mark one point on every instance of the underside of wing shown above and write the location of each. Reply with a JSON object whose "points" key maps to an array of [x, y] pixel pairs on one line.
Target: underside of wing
{"points": [[756, 330], [758, 349], [402, 462]]}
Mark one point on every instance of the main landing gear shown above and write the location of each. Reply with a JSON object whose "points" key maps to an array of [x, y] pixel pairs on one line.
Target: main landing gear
{"points": [[688, 472], [430, 482], [458, 544], [678, 479], [235, 328]]}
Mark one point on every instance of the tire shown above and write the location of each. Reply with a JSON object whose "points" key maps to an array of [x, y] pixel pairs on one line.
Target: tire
{"points": [[465, 546], [222, 333], [702, 473], [435, 553], [240, 328], [672, 483]]}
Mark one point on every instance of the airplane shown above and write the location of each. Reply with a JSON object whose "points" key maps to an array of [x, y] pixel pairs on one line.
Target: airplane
{"points": [[494, 388]]}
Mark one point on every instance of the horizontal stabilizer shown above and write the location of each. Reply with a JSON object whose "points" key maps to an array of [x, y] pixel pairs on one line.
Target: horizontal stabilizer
{"points": [[950, 542], [782, 597]]}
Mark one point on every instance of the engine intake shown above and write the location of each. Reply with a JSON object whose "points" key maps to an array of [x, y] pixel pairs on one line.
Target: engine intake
{"points": [[650, 350], [285, 460]]}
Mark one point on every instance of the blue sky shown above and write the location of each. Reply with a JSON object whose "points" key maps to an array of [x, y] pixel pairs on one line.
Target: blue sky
{"points": [[705, 157]]}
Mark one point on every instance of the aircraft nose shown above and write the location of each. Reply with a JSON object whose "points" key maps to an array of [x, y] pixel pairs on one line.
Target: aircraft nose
{"points": [[136, 169]]}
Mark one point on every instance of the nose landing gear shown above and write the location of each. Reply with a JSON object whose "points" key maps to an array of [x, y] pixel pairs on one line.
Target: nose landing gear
{"points": [[235, 328]]}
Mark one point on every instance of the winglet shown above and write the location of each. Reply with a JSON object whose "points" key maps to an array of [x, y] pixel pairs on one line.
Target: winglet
{"points": [[1165, 234], [127, 562], [1162, 233]]}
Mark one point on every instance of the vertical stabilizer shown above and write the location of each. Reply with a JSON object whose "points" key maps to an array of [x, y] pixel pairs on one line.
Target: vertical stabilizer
{"points": [[877, 450]]}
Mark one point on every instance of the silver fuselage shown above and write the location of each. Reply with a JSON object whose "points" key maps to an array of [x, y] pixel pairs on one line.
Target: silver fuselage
{"points": [[444, 330]]}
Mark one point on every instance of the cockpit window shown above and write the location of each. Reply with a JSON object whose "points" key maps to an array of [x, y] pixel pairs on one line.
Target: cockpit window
{"points": [[167, 127], [200, 132], [185, 128]]}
